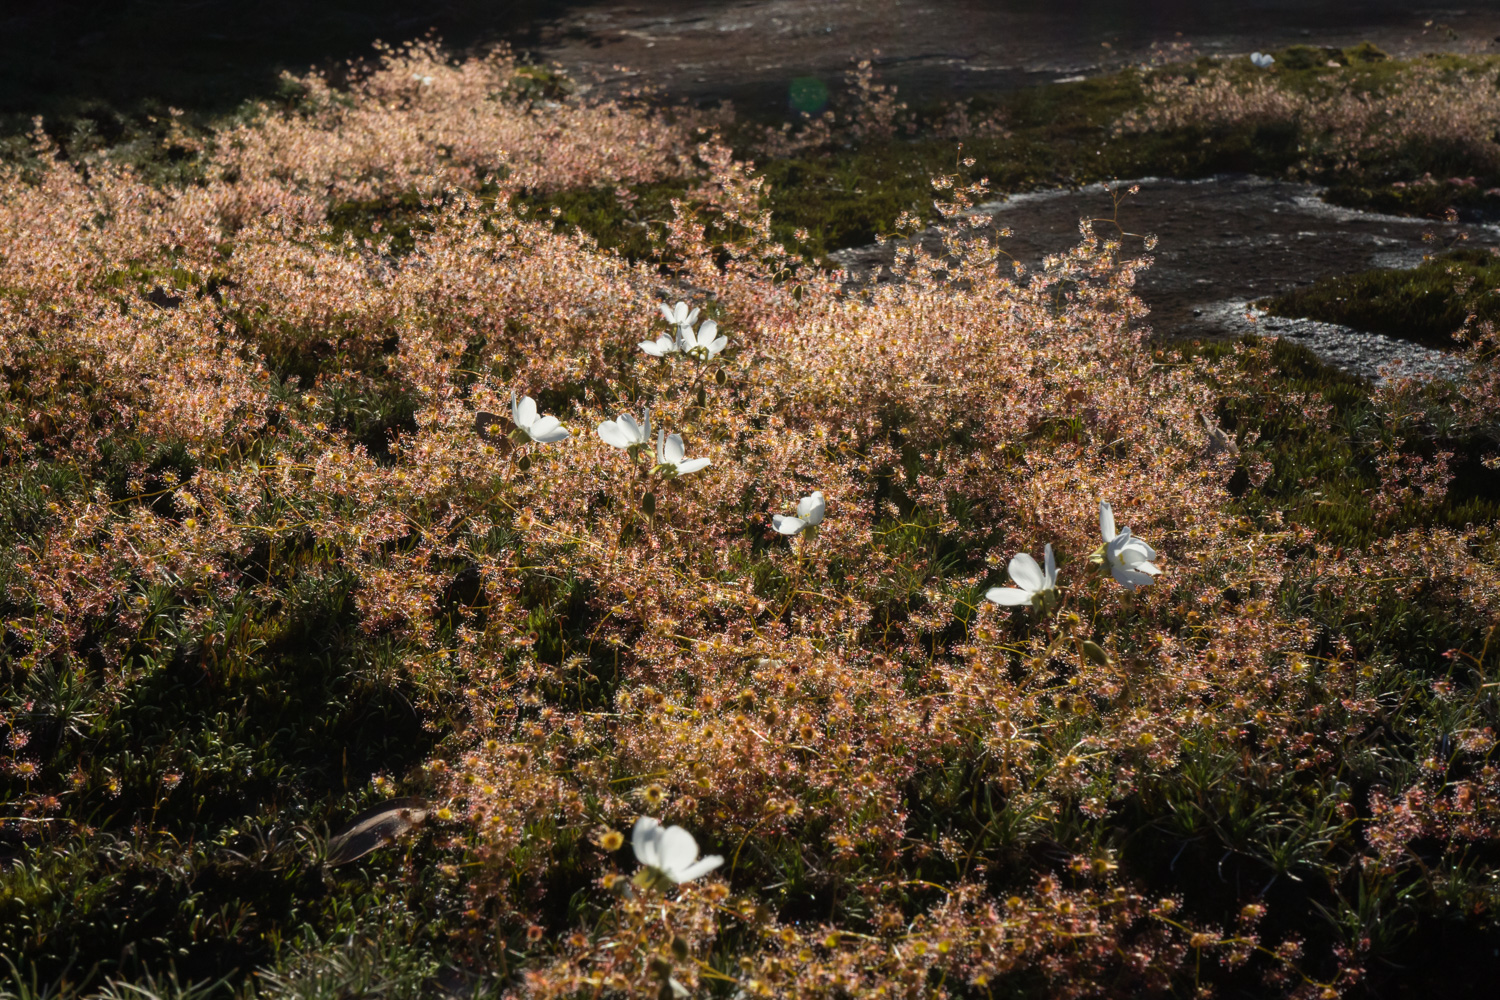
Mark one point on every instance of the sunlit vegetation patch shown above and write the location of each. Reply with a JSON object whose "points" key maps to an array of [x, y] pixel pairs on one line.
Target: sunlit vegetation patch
{"points": [[1410, 135], [351, 483]]}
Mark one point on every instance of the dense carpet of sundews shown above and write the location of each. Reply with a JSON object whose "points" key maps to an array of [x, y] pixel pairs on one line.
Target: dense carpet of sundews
{"points": [[456, 537]]}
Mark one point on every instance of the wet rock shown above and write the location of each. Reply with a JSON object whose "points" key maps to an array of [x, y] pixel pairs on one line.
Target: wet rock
{"points": [[1225, 241]]}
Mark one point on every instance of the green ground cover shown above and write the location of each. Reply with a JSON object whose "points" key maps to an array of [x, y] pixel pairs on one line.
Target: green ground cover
{"points": [[1429, 303]]}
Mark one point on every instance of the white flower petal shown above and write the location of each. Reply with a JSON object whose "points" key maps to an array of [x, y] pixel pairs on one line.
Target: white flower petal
{"points": [[1025, 572], [548, 430], [1130, 549], [698, 869], [1007, 596], [1128, 578], [672, 451], [645, 841], [524, 412], [633, 430], [614, 435], [677, 849], [1106, 521], [653, 348], [1147, 567], [1051, 562], [811, 508], [692, 465], [706, 333], [719, 343], [787, 525]]}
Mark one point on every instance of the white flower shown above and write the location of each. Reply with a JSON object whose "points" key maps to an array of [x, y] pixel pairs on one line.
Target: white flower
{"points": [[425, 81], [1262, 59], [670, 850], [625, 432], [669, 456], [661, 346], [809, 515], [1128, 558], [543, 430], [1032, 582], [703, 345], [678, 315]]}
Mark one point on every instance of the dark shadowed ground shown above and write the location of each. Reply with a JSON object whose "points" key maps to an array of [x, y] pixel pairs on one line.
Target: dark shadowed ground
{"points": [[60, 56], [210, 55], [1222, 242]]}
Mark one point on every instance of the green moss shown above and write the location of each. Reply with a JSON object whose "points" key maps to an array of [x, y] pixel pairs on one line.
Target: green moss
{"points": [[1426, 200], [1322, 470], [599, 212], [1426, 304]]}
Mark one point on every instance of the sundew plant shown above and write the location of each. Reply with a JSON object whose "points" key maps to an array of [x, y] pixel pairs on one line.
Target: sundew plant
{"points": [[532, 550]]}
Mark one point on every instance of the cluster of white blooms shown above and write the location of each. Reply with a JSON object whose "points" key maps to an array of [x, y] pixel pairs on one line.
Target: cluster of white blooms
{"points": [[1127, 557], [630, 435], [624, 433], [703, 344], [669, 854]]}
